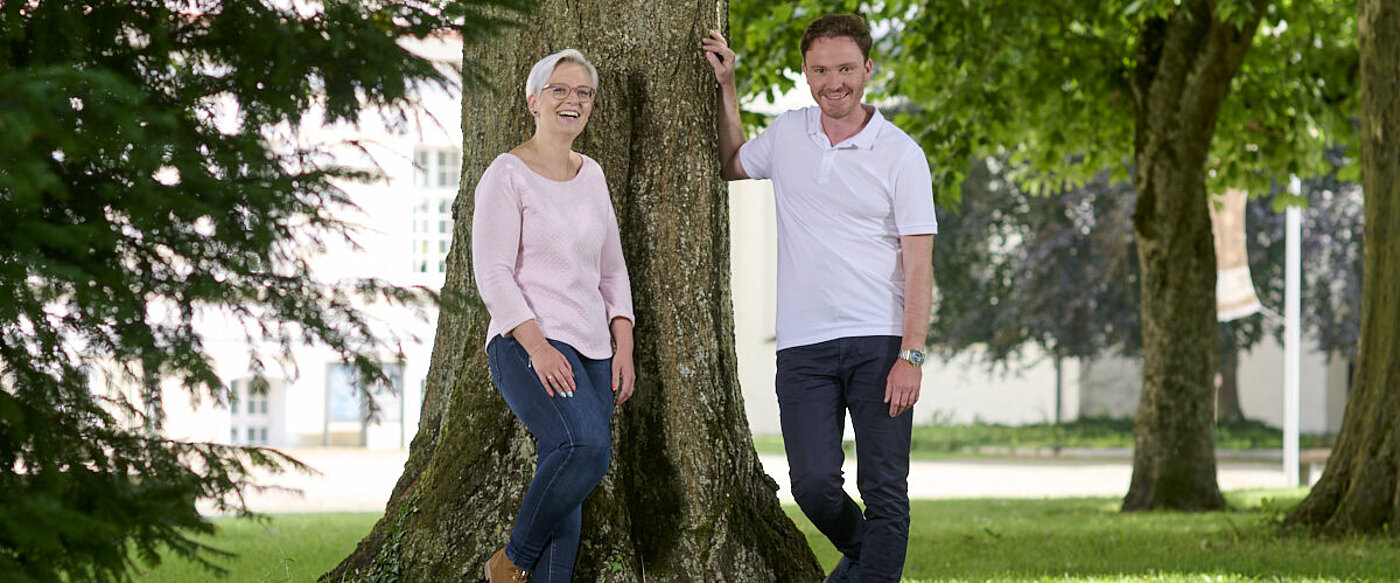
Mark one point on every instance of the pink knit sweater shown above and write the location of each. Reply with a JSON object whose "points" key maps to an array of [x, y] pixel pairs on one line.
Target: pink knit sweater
{"points": [[549, 251]]}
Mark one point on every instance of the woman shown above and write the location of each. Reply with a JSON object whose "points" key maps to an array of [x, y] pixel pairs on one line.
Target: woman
{"points": [[548, 264]]}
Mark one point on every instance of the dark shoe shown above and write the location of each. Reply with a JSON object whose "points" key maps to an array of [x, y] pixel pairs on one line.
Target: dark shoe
{"points": [[499, 569], [846, 571]]}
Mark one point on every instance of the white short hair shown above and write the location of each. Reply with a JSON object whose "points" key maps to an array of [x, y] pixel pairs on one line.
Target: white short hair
{"points": [[539, 74]]}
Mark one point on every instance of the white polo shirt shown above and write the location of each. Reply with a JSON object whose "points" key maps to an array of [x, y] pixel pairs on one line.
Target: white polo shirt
{"points": [[841, 211]]}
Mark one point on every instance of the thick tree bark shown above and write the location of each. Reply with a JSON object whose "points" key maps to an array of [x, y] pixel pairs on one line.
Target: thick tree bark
{"points": [[1358, 490], [686, 498], [1184, 66]]}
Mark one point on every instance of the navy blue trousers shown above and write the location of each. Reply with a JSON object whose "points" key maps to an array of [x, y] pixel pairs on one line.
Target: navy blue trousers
{"points": [[817, 384]]}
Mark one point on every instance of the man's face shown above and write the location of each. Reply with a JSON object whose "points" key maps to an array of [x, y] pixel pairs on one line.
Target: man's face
{"points": [[837, 74]]}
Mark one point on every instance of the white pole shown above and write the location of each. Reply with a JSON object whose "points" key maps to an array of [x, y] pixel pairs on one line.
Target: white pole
{"points": [[1292, 337]]}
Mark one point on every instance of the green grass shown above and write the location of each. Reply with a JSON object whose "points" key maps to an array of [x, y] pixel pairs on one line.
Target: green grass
{"points": [[1078, 540], [286, 547], [942, 439], [1089, 540]]}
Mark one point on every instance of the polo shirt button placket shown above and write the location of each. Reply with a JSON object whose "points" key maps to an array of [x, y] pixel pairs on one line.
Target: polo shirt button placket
{"points": [[828, 160]]}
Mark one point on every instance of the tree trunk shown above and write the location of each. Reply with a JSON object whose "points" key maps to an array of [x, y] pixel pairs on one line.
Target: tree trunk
{"points": [[1358, 490], [1227, 395], [1185, 62], [686, 498]]}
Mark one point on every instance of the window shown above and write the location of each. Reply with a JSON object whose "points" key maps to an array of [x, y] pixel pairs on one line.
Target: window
{"points": [[437, 174], [437, 167], [449, 168], [348, 402], [430, 245], [251, 411]]}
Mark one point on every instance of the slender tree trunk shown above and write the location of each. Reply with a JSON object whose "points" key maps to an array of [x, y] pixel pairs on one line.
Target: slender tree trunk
{"points": [[1227, 395], [1059, 388], [686, 498], [1358, 490], [1184, 66]]}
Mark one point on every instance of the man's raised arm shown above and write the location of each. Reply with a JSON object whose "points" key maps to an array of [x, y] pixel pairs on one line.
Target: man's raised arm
{"points": [[731, 130]]}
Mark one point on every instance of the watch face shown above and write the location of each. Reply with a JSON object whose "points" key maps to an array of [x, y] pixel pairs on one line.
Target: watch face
{"points": [[917, 356]]}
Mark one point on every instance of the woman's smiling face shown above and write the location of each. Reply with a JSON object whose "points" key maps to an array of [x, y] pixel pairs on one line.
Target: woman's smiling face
{"points": [[570, 114]]}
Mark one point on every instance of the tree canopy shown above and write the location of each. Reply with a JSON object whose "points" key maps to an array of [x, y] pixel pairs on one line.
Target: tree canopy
{"points": [[1048, 84], [141, 190]]}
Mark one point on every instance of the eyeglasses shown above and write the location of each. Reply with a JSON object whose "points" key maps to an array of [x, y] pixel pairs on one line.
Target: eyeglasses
{"points": [[562, 92]]}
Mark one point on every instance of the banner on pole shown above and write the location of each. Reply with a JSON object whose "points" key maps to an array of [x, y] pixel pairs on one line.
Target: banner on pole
{"points": [[1234, 290]]}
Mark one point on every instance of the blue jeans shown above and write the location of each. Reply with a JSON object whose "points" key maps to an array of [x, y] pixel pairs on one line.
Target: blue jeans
{"points": [[574, 443], [816, 385]]}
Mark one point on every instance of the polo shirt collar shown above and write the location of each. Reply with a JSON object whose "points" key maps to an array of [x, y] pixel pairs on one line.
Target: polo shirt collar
{"points": [[865, 139]]}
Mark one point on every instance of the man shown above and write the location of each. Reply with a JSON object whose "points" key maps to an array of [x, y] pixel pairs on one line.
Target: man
{"points": [[855, 239]]}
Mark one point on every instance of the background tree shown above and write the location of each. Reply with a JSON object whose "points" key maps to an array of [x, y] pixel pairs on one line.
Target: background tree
{"points": [[1056, 271], [686, 498], [129, 210], [1359, 490], [1074, 89]]}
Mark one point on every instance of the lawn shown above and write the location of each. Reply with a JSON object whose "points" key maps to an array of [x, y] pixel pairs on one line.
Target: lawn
{"points": [[284, 548], [952, 540]]}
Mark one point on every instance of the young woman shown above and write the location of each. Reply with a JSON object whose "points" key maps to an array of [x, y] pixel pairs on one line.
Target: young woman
{"points": [[548, 264]]}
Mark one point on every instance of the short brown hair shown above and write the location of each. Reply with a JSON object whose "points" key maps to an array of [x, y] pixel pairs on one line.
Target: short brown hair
{"points": [[851, 26]]}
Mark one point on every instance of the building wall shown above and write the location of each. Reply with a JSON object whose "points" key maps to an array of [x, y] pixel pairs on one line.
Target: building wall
{"points": [[963, 389], [1111, 386]]}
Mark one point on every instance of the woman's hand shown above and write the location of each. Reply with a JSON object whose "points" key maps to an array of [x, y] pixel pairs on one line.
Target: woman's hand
{"points": [[624, 376], [555, 372]]}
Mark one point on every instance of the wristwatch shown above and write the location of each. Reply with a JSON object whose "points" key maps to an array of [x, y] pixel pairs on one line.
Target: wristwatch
{"points": [[914, 356]]}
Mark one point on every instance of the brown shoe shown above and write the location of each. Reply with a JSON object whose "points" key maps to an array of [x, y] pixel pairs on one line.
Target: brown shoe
{"points": [[499, 569]]}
